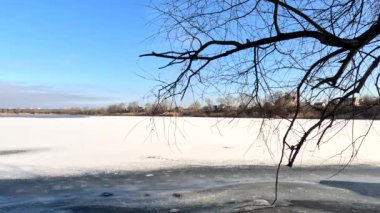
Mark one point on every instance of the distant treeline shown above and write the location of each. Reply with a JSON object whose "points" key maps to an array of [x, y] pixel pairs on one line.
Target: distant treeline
{"points": [[280, 106]]}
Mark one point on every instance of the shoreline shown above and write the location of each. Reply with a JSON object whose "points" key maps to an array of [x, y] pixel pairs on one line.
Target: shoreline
{"points": [[174, 115]]}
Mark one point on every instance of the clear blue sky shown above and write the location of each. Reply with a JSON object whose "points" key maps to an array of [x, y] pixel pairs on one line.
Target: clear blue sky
{"points": [[59, 53]]}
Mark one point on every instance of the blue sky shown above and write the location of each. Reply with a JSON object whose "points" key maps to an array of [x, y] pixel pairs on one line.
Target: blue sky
{"points": [[60, 53]]}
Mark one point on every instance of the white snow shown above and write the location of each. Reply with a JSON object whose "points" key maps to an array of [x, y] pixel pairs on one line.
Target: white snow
{"points": [[67, 146]]}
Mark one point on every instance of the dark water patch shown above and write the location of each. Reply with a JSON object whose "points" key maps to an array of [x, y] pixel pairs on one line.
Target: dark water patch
{"points": [[43, 116], [136, 192], [201, 175], [21, 151], [363, 188]]}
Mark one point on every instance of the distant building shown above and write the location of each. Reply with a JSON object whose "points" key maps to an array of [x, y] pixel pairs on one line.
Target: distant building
{"points": [[349, 102], [222, 107], [320, 105], [353, 101]]}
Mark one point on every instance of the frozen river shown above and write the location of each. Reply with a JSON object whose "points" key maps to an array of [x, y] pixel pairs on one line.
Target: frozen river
{"points": [[33, 146], [69, 164]]}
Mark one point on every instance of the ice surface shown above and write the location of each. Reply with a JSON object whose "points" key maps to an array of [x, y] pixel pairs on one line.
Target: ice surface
{"points": [[32, 147]]}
